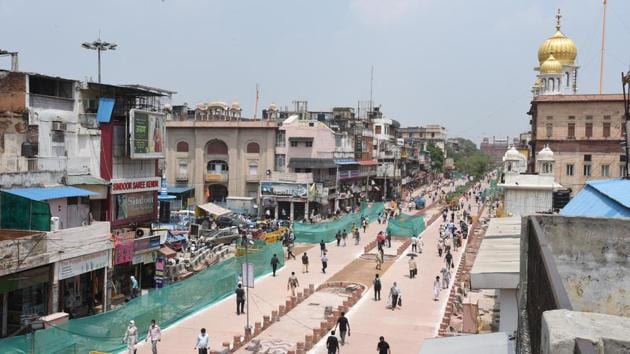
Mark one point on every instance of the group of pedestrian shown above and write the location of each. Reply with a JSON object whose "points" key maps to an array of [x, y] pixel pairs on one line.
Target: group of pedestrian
{"points": [[154, 334]]}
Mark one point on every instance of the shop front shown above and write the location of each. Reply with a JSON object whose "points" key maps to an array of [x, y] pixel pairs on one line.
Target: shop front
{"points": [[289, 201], [24, 295], [134, 200], [82, 282], [146, 250]]}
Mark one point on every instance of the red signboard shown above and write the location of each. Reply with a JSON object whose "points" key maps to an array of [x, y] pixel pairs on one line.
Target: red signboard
{"points": [[124, 252], [120, 186]]}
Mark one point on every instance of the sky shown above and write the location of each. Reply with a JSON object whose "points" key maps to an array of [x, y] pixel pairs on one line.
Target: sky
{"points": [[467, 65]]}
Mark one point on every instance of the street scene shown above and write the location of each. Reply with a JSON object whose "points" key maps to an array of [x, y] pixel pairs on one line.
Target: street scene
{"points": [[314, 177]]}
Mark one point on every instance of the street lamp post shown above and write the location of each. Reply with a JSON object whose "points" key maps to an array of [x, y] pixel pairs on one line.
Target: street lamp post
{"points": [[99, 46]]}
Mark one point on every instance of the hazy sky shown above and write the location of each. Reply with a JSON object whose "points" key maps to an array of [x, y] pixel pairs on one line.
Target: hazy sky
{"points": [[466, 64]]}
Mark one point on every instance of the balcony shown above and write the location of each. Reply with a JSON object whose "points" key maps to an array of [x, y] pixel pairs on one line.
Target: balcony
{"points": [[217, 176], [292, 177], [252, 178]]}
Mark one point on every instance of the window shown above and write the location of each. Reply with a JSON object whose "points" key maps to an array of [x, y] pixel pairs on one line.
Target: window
{"points": [[217, 147], [587, 170], [279, 162], [294, 144], [253, 169], [571, 131], [605, 170], [50, 87], [377, 129], [588, 158], [182, 146], [280, 137], [332, 171], [569, 170], [182, 169], [622, 170], [253, 148], [588, 130], [566, 75], [549, 128], [309, 144], [217, 166], [606, 130]]}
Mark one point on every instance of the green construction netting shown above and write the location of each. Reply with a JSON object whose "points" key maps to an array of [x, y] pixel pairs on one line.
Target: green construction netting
{"points": [[104, 332], [314, 233], [406, 225], [32, 215], [491, 190]]}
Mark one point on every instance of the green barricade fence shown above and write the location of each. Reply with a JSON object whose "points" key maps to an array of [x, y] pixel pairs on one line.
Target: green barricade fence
{"points": [[491, 191], [314, 233], [104, 332], [406, 225]]}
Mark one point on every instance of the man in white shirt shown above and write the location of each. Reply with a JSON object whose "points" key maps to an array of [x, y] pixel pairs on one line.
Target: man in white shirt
{"points": [[203, 342]]}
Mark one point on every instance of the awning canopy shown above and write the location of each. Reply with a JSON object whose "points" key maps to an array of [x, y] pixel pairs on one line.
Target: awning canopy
{"points": [[368, 162], [178, 190], [85, 179], [42, 193], [345, 162], [214, 209], [167, 252], [307, 162]]}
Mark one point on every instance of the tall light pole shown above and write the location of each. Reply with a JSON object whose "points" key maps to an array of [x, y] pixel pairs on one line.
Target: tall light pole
{"points": [[99, 46]]}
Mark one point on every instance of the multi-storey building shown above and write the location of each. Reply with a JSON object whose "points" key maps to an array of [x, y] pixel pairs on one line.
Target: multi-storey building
{"points": [[387, 149], [495, 148], [423, 136]]}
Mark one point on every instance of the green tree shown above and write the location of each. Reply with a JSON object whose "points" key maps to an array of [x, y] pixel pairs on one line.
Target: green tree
{"points": [[469, 159], [437, 157]]}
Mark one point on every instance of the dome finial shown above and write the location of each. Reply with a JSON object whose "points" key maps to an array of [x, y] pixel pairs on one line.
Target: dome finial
{"points": [[558, 17]]}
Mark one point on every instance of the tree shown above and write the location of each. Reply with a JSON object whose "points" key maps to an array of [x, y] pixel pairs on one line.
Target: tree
{"points": [[469, 159], [437, 157]]}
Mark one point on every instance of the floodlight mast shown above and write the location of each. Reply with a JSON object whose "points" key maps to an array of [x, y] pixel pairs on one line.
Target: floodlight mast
{"points": [[99, 46]]}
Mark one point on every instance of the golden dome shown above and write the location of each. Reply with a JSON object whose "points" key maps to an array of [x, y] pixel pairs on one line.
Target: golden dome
{"points": [[551, 66], [562, 47]]}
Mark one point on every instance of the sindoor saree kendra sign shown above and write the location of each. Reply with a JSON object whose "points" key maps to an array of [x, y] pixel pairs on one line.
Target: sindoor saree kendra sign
{"points": [[134, 204], [146, 132]]}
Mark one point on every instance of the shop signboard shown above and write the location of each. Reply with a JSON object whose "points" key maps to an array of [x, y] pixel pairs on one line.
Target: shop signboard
{"points": [[133, 185], [146, 134], [124, 252], [280, 189], [349, 174], [69, 268], [147, 243], [159, 272], [134, 204], [146, 258]]}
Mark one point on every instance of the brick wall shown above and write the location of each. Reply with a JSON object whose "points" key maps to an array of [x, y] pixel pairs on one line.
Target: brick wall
{"points": [[12, 92]]}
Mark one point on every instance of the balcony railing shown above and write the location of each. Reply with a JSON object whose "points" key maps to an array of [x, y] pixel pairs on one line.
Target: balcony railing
{"points": [[217, 176]]}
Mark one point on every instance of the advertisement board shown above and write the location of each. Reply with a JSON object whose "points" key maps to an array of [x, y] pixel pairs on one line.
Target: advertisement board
{"points": [[134, 204], [124, 252], [146, 134], [280, 189], [159, 272], [69, 268], [133, 185]]}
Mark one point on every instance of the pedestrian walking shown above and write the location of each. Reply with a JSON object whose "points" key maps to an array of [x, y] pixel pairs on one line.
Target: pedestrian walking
{"points": [[389, 239], [446, 277], [344, 237], [154, 335], [413, 268], [332, 344], [436, 288], [203, 342], [274, 263], [131, 337], [414, 244], [379, 259], [290, 247], [365, 225], [377, 288], [338, 237], [383, 347], [304, 263], [440, 247], [293, 283], [357, 236], [444, 214], [449, 260], [134, 286], [240, 299], [394, 294], [344, 327], [322, 248], [324, 262]]}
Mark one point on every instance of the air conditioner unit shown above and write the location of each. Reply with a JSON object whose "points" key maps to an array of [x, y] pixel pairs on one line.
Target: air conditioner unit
{"points": [[58, 126], [55, 223]]}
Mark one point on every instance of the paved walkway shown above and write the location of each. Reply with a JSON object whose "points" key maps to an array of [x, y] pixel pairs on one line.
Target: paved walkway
{"points": [[406, 328]]}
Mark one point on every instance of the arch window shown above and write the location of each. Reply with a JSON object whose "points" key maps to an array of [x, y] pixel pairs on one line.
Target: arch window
{"points": [[217, 166], [182, 146], [253, 168], [558, 84], [567, 78], [253, 148], [217, 147], [553, 84]]}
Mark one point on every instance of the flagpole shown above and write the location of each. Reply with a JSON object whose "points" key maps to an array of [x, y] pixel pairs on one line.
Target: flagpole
{"points": [[601, 66]]}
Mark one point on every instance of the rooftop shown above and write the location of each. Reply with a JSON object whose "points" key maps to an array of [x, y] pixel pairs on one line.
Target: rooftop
{"points": [[529, 181], [498, 261], [8, 234], [491, 343], [609, 198], [238, 124], [579, 98]]}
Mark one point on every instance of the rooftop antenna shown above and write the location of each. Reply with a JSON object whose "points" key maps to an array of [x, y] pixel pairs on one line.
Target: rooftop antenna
{"points": [[601, 66], [257, 99]]}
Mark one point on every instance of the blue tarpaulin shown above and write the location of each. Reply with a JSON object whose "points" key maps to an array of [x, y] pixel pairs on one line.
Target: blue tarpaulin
{"points": [[105, 109], [42, 193]]}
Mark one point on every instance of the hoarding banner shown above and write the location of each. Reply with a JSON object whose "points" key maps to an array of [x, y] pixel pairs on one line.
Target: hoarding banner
{"points": [[146, 133], [298, 190], [133, 185], [133, 205], [124, 252], [248, 275]]}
